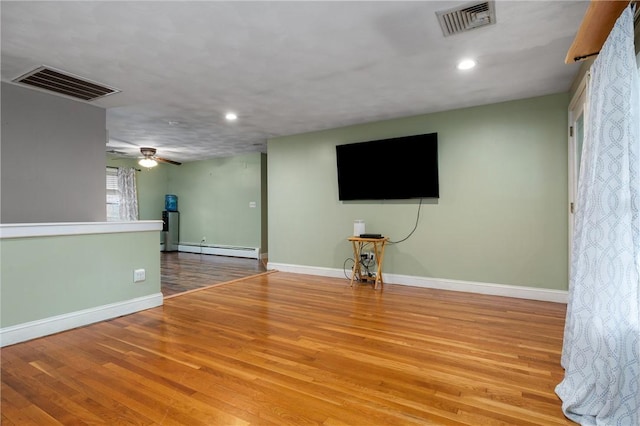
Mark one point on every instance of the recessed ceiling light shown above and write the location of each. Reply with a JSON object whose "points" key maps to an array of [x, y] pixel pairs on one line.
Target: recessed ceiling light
{"points": [[231, 116], [466, 64]]}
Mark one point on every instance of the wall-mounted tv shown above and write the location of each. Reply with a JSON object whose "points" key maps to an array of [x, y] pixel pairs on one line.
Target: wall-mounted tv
{"points": [[389, 169]]}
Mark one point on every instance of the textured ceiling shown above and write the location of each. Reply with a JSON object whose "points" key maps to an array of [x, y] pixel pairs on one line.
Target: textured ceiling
{"points": [[283, 67]]}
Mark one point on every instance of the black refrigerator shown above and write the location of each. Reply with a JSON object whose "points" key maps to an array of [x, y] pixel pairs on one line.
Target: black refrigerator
{"points": [[171, 230]]}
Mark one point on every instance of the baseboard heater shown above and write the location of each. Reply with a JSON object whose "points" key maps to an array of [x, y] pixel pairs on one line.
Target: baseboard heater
{"points": [[249, 252]]}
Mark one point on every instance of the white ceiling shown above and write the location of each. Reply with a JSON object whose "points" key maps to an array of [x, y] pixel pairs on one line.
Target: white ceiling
{"points": [[283, 67]]}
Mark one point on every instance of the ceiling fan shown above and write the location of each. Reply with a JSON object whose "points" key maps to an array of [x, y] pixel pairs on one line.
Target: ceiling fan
{"points": [[116, 153], [151, 160]]}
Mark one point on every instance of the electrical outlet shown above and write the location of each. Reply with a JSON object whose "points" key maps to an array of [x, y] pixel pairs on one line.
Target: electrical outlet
{"points": [[367, 255], [139, 275]]}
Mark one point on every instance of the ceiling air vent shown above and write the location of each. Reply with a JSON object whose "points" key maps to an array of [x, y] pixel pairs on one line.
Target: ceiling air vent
{"points": [[467, 17], [64, 83]]}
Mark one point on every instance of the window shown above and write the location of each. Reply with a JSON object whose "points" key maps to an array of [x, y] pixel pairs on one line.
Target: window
{"points": [[113, 195], [122, 196]]}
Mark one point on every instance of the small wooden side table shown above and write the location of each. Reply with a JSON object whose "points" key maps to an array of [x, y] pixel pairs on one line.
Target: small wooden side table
{"points": [[378, 252]]}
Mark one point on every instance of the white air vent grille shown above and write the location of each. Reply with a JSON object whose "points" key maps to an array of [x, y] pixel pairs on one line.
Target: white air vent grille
{"points": [[467, 17], [64, 83]]}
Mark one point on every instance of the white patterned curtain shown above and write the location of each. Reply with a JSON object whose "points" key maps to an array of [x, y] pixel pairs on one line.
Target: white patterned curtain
{"points": [[601, 352], [128, 193]]}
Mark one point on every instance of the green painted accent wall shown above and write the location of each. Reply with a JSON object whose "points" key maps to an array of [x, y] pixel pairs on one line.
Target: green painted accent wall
{"points": [[264, 222], [502, 212], [43, 277], [213, 200]]}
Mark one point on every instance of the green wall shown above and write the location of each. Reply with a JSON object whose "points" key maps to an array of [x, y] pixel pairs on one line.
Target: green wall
{"points": [[501, 216], [264, 222], [213, 200], [47, 276]]}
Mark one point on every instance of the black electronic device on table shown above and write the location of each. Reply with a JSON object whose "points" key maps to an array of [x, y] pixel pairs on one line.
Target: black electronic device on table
{"points": [[375, 236]]}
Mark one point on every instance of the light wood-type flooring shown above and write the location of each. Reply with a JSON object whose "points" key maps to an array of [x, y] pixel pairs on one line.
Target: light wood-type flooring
{"points": [[283, 348]]}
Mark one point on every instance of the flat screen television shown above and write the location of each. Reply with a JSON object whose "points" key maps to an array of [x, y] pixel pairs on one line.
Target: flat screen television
{"points": [[389, 169]]}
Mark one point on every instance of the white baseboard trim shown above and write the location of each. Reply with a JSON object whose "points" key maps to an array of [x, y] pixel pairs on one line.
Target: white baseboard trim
{"points": [[248, 252], [531, 293], [44, 327]]}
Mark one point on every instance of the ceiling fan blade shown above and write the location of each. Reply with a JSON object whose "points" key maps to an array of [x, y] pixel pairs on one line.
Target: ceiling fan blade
{"points": [[164, 160], [119, 143]]}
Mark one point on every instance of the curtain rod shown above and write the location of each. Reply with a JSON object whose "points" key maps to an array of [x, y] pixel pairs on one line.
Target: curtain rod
{"points": [[112, 167], [596, 25], [579, 58], [636, 21]]}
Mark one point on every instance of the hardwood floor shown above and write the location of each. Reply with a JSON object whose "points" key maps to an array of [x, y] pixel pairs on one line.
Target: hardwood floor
{"points": [[183, 272], [292, 349]]}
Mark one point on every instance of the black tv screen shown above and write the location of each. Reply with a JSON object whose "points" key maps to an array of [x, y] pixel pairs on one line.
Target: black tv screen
{"points": [[389, 169]]}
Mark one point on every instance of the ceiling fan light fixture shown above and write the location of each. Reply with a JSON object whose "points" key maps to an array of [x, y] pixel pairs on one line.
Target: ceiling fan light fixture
{"points": [[148, 162], [466, 64]]}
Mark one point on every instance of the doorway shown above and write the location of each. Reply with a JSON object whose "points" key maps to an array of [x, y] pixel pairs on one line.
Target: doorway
{"points": [[184, 272]]}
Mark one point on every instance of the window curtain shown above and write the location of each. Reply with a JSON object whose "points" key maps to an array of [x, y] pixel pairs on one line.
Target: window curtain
{"points": [[601, 348], [128, 193]]}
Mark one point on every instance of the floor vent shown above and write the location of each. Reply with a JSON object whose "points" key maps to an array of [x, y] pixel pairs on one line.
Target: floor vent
{"points": [[467, 17], [64, 83]]}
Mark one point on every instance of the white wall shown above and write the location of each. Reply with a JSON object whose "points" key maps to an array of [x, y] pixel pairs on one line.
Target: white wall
{"points": [[52, 157]]}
